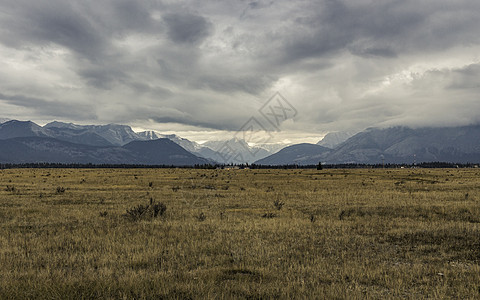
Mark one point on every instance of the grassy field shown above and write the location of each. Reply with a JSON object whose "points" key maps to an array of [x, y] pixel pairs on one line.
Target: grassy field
{"points": [[404, 233]]}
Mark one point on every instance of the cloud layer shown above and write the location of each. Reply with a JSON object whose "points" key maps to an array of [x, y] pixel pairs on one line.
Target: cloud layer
{"points": [[210, 65]]}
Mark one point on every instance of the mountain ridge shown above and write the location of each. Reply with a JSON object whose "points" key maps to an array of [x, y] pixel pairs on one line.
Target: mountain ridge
{"points": [[47, 149], [400, 144]]}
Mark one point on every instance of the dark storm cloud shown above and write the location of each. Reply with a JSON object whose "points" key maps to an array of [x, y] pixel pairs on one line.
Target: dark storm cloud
{"points": [[102, 77], [374, 52], [380, 29], [42, 23], [342, 63], [55, 108], [187, 28], [251, 84], [84, 27], [192, 122]]}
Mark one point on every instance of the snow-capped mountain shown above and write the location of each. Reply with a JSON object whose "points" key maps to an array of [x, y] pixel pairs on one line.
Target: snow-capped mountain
{"points": [[393, 145], [114, 134], [96, 135], [3, 120], [235, 151], [148, 135], [333, 139], [14, 128]]}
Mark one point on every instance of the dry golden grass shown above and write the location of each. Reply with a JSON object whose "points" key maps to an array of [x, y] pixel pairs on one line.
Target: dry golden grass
{"points": [[406, 233]]}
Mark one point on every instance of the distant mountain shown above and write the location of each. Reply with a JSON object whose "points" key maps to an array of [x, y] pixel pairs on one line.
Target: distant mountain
{"points": [[163, 151], [333, 139], [13, 129], [94, 135], [40, 149], [148, 135], [62, 125], [188, 145], [25, 141], [272, 148], [301, 154], [45, 149], [114, 134], [394, 145], [404, 145], [77, 135], [233, 151], [192, 147]]}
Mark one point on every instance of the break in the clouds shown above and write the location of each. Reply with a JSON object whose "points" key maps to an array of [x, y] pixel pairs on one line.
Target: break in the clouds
{"points": [[210, 65]]}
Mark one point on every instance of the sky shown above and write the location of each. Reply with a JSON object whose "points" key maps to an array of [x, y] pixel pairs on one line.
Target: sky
{"points": [[205, 69]]}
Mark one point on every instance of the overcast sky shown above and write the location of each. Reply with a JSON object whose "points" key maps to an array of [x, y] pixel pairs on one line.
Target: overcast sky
{"points": [[204, 68]]}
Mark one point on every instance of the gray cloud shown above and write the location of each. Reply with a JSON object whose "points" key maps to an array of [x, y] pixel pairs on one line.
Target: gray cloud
{"points": [[51, 108], [187, 28], [210, 64]]}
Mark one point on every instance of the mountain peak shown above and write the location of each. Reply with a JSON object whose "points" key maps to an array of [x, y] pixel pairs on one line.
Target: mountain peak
{"points": [[15, 128], [3, 120], [149, 135], [333, 139], [57, 124]]}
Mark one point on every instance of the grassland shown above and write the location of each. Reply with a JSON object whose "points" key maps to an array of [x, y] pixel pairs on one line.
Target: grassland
{"points": [[256, 234]]}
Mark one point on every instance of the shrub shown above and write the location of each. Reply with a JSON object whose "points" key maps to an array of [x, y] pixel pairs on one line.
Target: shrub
{"points": [[60, 190], [10, 189], [278, 204], [148, 211], [201, 217], [269, 215]]}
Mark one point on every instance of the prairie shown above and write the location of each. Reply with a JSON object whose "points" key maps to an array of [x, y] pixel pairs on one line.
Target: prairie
{"points": [[256, 234]]}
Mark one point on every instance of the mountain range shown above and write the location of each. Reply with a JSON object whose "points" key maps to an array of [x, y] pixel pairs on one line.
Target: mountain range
{"points": [[389, 145], [25, 141], [87, 143]]}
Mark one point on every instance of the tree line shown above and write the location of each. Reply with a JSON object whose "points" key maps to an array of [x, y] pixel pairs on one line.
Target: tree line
{"points": [[319, 166]]}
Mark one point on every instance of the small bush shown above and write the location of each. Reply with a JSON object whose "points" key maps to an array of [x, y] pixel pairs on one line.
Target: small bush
{"points": [[201, 217], [269, 215], [278, 204], [60, 190], [158, 209], [10, 189], [151, 210]]}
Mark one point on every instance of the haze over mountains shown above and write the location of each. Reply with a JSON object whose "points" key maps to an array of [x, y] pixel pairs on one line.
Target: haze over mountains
{"points": [[25, 141]]}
